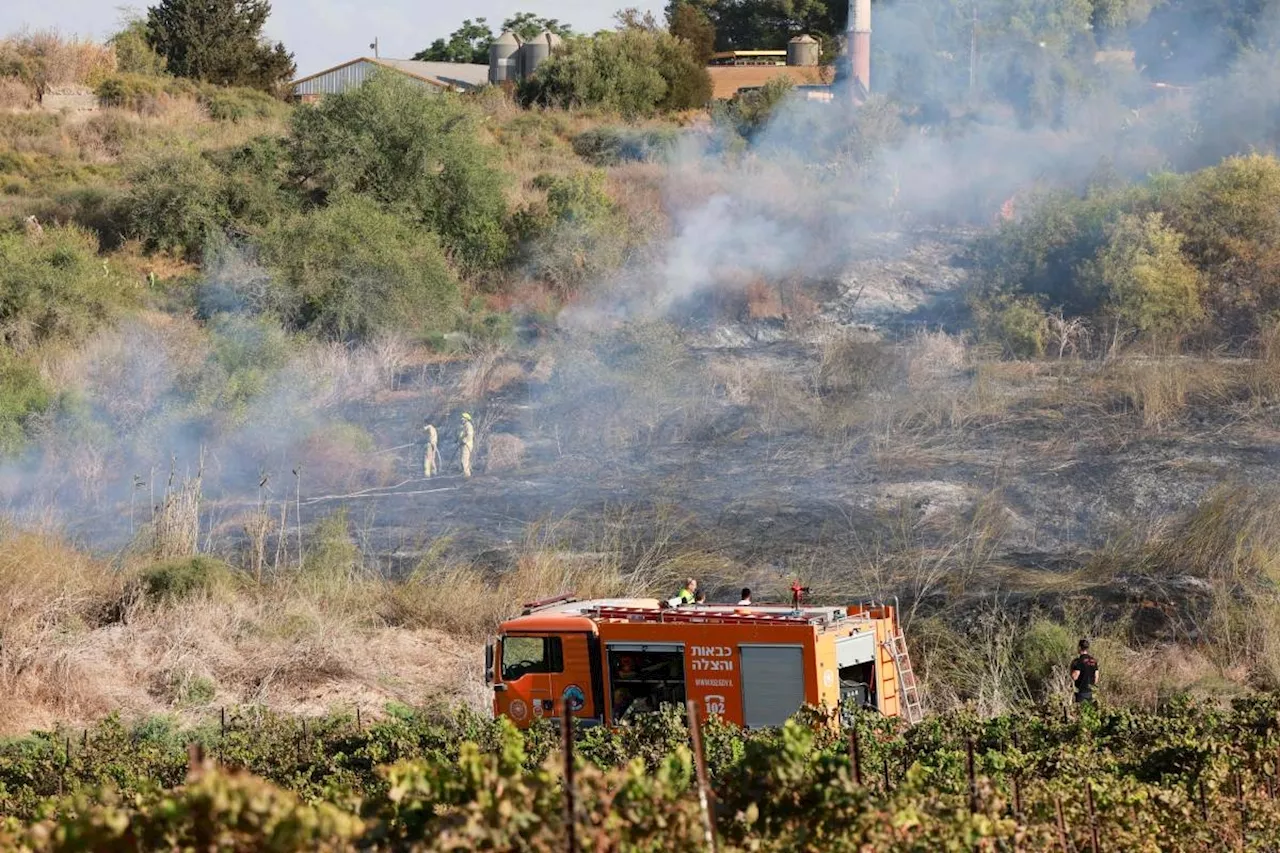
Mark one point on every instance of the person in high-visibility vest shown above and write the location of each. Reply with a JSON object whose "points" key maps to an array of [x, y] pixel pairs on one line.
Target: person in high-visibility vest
{"points": [[467, 440], [686, 595], [431, 452]]}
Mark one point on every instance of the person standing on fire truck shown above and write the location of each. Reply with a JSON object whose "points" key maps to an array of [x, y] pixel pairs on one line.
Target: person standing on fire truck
{"points": [[687, 595]]}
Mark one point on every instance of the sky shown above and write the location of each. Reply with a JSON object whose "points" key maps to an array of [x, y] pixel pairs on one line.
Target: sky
{"points": [[324, 33]]}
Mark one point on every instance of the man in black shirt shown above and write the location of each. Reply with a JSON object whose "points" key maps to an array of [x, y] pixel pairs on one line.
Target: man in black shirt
{"points": [[1084, 673]]}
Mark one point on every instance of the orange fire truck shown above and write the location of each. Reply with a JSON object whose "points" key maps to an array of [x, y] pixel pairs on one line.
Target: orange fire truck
{"points": [[607, 659]]}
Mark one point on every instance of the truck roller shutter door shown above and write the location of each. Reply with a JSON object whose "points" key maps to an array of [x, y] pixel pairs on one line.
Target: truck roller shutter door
{"points": [[772, 684]]}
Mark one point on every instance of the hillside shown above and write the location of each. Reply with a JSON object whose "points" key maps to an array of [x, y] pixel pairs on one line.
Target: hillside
{"points": [[1024, 383]]}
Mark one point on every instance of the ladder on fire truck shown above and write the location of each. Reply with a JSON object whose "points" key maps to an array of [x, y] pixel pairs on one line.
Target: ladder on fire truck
{"points": [[908, 688]]}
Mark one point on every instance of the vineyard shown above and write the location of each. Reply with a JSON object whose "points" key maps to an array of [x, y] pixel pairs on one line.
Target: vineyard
{"points": [[1188, 777]]}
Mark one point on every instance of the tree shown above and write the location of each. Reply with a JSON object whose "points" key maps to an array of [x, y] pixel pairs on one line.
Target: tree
{"points": [[134, 54], [469, 43], [219, 41], [765, 24], [419, 154], [691, 24], [635, 71], [529, 26], [1150, 285]]}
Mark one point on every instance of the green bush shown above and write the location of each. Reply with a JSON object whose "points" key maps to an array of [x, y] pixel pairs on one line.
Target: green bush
{"points": [[350, 269], [1155, 257], [23, 394], [138, 91], [175, 203], [1018, 324], [575, 237], [1228, 214], [609, 146], [419, 155], [246, 353], [178, 579], [634, 72], [1044, 648], [236, 105], [56, 287], [749, 112], [99, 209], [252, 190], [1150, 285]]}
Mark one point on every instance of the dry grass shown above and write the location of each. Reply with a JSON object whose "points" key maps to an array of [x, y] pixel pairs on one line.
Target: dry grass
{"points": [[489, 372], [57, 60], [15, 95], [503, 452], [75, 644]]}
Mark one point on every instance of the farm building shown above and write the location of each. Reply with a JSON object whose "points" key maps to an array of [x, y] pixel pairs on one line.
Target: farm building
{"points": [[442, 76]]}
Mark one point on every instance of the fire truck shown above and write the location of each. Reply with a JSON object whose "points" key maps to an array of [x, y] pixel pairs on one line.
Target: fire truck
{"points": [[605, 660]]}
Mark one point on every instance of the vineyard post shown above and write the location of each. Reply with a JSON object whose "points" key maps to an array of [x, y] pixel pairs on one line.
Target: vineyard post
{"points": [[359, 722], [1244, 810], [855, 754], [570, 807], [1062, 824], [888, 786], [1204, 804], [1093, 817], [973, 781], [700, 764], [222, 715], [1017, 782]]}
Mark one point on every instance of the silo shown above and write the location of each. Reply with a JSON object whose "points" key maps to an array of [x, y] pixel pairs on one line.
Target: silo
{"points": [[532, 53], [504, 59], [803, 50]]}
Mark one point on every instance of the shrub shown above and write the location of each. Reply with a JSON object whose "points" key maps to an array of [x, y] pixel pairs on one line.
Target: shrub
{"points": [[749, 112], [139, 91], [1150, 285], [253, 177], [1228, 214], [55, 287], [23, 394], [100, 209], [610, 146], [235, 105], [577, 236], [418, 155], [351, 269], [634, 72], [175, 204], [1043, 650], [175, 580], [1018, 324]]}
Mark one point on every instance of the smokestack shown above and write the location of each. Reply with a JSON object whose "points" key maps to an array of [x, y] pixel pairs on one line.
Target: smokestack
{"points": [[858, 43]]}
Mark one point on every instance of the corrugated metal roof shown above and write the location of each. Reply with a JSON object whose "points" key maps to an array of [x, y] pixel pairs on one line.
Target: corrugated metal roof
{"points": [[460, 74], [445, 75]]}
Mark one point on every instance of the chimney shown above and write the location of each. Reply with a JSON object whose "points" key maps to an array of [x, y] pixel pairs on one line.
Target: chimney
{"points": [[859, 47]]}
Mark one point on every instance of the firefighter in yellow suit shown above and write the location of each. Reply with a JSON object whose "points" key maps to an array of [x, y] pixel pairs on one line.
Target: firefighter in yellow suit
{"points": [[467, 439], [431, 453]]}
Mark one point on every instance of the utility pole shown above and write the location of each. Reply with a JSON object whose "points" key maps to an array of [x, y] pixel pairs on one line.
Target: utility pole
{"points": [[374, 47], [973, 51]]}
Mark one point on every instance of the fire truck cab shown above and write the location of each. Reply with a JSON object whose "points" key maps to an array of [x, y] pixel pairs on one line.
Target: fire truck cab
{"points": [[604, 660]]}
